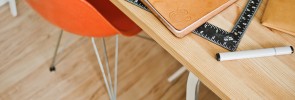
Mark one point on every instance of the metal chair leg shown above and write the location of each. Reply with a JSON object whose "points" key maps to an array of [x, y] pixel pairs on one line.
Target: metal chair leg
{"points": [[52, 66], [192, 87], [116, 66], [102, 68], [107, 77], [107, 66], [111, 91]]}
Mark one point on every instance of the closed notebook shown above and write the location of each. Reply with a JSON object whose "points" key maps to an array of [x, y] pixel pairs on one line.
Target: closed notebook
{"points": [[280, 15], [183, 16]]}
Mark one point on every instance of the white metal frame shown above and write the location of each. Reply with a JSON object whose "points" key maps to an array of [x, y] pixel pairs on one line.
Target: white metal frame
{"points": [[192, 85], [177, 74], [12, 6]]}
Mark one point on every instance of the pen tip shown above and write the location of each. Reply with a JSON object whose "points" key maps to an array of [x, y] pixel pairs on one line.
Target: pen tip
{"points": [[218, 57]]}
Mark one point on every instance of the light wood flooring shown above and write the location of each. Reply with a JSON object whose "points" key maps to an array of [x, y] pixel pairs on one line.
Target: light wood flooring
{"points": [[27, 43]]}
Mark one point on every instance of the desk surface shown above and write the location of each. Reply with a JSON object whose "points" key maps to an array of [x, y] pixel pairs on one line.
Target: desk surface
{"points": [[268, 77]]}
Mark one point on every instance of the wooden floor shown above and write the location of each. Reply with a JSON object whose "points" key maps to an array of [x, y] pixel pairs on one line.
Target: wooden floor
{"points": [[27, 43]]}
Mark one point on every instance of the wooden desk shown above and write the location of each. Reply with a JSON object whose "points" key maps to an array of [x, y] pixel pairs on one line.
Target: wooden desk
{"points": [[268, 77]]}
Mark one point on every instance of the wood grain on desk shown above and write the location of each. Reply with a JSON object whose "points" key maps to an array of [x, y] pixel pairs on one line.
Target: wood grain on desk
{"points": [[268, 77]]}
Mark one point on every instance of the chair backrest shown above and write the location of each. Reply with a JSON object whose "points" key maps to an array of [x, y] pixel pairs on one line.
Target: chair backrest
{"points": [[98, 18]]}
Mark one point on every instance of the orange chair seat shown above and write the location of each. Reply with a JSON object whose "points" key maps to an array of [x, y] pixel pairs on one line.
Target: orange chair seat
{"points": [[96, 18]]}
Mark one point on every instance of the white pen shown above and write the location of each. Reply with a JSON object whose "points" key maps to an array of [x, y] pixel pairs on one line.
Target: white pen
{"points": [[254, 53]]}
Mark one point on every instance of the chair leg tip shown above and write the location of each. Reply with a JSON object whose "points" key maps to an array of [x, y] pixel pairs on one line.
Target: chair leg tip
{"points": [[52, 69]]}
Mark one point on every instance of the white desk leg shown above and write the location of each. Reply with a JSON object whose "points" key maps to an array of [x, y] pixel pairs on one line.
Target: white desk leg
{"points": [[177, 74], [2, 2], [192, 87], [13, 9]]}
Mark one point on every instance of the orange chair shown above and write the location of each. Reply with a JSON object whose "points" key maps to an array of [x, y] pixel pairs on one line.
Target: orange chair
{"points": [[95, 18]]}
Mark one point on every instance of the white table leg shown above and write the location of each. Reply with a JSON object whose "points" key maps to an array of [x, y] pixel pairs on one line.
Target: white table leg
{"points": [[2, 2], [177, 74], [13, 9], [192, 87], [12, 6]]}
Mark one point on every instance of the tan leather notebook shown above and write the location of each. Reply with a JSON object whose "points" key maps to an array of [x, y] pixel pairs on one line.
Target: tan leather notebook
{"points": [[183, 16]]}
